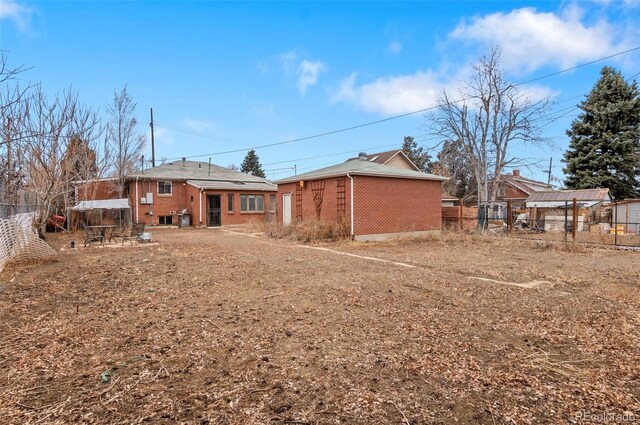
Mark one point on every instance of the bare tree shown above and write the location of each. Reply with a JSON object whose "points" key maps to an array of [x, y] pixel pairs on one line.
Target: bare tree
{"points": [[47, 127], [12, 164], [123, 140], [488, 116]]}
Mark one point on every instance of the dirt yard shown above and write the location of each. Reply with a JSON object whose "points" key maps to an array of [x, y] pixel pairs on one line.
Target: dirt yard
{"points": [[214, 327]]}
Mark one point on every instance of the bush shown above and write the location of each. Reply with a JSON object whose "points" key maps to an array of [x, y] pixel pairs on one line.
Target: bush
{"points": [[309, 231]]}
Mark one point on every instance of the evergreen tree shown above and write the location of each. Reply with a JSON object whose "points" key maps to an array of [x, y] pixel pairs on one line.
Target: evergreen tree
{"points": [[251, 164], [452, 162], [418, 155], [604, 150]]}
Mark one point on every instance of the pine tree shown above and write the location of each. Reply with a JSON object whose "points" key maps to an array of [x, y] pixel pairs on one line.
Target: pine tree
{"points": [[604, 150], [251, 164], [452, 162], [418, 155]]}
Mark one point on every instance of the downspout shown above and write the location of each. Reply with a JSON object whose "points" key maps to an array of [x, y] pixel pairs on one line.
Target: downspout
{"points": [[136, 201], [353, 236], [200, 207]]}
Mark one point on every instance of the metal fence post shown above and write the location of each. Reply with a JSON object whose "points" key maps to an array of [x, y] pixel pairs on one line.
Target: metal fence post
{"points": [[566, 211], [574, 228], [615, 223], [509, 217]]}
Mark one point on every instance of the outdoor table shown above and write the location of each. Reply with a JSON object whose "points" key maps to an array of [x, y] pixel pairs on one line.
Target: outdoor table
{"points": [[106, 230]]}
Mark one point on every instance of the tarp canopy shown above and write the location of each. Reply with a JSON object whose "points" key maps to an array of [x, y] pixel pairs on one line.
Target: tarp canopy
{"points": [[103, 204]]}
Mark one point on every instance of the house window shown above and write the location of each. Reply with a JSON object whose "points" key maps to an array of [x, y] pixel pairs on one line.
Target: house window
{"points": [[165, 220], [272, 204], [500, 192], [251, 203], [230, 202], [164, 188]]}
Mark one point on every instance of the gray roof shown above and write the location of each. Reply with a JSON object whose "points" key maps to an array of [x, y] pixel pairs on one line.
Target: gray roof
{"points": [[362, 168], [194, 170], [102, 204], [233, 185], [568, 195]]}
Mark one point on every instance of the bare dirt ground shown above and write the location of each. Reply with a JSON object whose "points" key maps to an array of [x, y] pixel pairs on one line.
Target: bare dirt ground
{"points": [[213, 327]]}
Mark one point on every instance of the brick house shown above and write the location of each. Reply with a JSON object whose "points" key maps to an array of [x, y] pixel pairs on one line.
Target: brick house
{"points": [[195, 193], [374, 201], [395, 158], [516, 188]]}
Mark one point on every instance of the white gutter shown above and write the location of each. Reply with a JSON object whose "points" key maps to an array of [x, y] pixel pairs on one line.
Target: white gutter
{"points": [[200, 206], [136, 201], [351, 193]]}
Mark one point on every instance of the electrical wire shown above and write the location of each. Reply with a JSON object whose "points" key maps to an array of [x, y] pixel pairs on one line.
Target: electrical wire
{"points": [[406, 114]]}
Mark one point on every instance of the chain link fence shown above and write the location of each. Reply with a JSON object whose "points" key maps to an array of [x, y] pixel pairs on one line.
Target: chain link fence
{"points": [[615, 224]]}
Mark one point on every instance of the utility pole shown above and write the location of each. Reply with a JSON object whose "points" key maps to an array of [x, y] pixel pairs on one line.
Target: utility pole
{"points": [[153, 148], [550, 164]]}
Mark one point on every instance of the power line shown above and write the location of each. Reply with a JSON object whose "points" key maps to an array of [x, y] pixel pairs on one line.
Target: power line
{"points": [[406, 114], [579, 66]]}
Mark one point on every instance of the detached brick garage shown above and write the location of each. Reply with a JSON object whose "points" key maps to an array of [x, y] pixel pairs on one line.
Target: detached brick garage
{"points": [[375, 201]]}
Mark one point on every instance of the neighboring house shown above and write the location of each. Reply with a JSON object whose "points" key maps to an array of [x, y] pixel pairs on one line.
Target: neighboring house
{"points": [[550, 207], [511, 187], [197, 193], [395, 158], [374, 201], [516, 188]]}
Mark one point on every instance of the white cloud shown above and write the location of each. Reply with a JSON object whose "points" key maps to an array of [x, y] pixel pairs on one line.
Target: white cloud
{"points": [[393, 95], [395, 47], [164, 136], [197, 125], [288, 61], [19, 14], [308, 72], [532, 39]]}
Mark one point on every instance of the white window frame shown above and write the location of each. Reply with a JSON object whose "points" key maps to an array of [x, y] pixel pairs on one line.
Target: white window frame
{"points": [[248, 203], [164, 183]]}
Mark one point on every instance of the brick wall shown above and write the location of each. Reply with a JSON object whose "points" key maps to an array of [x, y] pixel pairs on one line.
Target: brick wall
{"points": [[97, 190], [329, 207], [511, 192], [382, 205], [185, 196], [386, 205]]}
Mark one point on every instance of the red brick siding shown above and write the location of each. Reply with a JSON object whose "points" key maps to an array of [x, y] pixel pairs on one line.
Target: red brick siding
{"points": [[511, 192], [98, 190], [185, 196], [386, 205], [382, 205], [329, 208]]}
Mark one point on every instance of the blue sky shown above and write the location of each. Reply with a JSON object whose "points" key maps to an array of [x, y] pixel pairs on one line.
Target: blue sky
{"points": [[224, 76]]}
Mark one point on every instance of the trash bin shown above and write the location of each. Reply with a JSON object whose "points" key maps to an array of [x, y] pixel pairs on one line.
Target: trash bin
{"points": [[185, 220]]}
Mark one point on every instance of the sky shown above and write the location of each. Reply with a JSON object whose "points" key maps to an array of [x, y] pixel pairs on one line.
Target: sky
{"points": [[229, 76]]}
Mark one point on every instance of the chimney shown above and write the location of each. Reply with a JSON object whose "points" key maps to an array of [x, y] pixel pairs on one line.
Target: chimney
{"points": [[516, 173], [362, 156]]}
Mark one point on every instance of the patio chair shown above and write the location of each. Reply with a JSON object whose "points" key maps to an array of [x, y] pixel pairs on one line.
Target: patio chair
{"points": [[134, 234], [91, 236]]}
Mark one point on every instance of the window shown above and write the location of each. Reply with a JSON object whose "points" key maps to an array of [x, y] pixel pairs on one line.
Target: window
{"points": [[272, 204], [501, 192], [165, 220], [164, 188], [251, 203], [230, 202]]}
